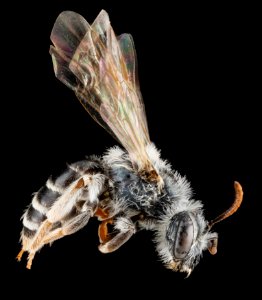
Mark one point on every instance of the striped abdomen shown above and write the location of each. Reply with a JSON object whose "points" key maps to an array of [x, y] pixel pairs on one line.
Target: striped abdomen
{"points": [[54, 188]]}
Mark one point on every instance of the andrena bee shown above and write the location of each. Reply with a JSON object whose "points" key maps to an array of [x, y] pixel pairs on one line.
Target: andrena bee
{"points": [[131, 188]]}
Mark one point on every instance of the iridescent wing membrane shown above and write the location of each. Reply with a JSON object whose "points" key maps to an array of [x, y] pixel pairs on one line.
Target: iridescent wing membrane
{"points": [[101, 69]]}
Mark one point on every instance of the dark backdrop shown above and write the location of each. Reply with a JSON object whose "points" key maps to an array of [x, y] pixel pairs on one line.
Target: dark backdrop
{"points": [[198, 73]]}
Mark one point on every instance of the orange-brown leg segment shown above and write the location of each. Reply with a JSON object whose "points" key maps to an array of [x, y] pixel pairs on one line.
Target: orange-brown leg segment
{"points": [[110, 243], [53, 236], [102, 214], [103, 231], [46, 235], [20, 254], [37, 243], [30, 260], [43, 231]]}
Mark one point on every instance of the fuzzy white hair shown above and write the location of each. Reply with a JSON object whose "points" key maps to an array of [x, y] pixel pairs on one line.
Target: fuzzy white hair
{"points": [[201, 236], [180, 200], [124, 224], [154, 155], [117, 157]]}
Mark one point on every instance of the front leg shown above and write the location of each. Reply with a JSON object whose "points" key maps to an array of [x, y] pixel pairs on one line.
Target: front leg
{"points": [[109, 243]]}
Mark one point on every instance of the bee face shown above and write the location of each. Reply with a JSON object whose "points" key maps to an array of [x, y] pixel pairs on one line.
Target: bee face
{"points": [[187, 238]]}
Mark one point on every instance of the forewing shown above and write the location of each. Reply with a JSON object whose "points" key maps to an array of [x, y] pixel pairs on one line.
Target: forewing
{"points": [[67, 34], [101, 70]]}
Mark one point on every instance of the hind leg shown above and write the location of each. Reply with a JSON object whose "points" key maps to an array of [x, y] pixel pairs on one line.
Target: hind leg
{"points": [[46, 235], [70, 211], [31, 245], [67, 228]]}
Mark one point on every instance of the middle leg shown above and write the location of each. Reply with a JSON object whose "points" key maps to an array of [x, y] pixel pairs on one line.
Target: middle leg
{"points": [[125, 227]]}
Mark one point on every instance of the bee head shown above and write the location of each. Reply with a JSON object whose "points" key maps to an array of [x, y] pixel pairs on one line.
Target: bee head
{"points": [[188, 235]]}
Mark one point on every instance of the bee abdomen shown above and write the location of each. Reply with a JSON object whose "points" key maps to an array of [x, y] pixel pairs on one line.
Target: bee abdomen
{"points": [[32, 220], [44, 199], [36, 212]]}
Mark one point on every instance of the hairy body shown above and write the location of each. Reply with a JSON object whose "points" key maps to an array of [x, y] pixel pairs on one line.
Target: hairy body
{"points": [[110, 189], [130, 189]]}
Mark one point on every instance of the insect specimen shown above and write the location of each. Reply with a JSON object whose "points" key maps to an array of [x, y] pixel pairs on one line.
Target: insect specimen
{"points": [[132, 188]]}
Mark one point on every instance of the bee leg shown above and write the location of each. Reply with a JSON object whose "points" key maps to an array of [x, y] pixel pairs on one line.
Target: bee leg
{"points": [[30, 258], [47, 235], [101, 214], [37, 243], [53, 236], [68, 227], [126, 229], [20, 254], [103, 231]]}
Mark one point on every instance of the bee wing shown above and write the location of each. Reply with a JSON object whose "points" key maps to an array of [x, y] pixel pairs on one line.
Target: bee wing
{"points": [[67, 33], [101, 70]]}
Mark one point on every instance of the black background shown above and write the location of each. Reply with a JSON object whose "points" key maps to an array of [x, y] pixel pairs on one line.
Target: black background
{"points": [[198, 70]]}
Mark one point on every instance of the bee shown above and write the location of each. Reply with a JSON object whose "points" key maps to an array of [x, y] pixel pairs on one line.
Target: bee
{"points": [[130, 188]]}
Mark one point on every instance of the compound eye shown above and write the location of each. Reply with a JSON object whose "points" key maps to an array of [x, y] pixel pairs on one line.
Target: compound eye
{"points": [[181, 232]]}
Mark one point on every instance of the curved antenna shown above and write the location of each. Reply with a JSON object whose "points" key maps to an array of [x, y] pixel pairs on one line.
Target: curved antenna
{"points": [[234, 207]]}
